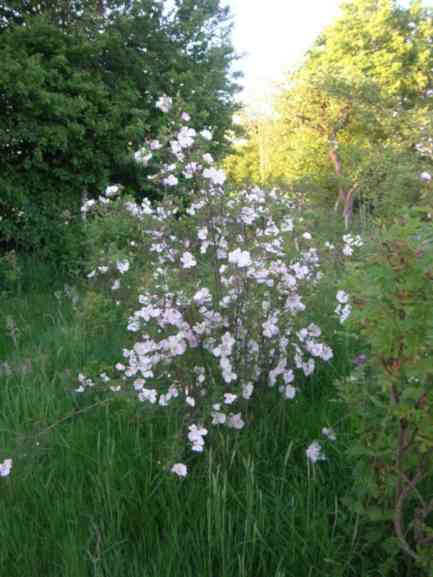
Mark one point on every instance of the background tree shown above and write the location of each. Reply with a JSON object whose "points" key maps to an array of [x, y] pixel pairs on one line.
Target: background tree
{"points": [[78, 86], [354, 121]]}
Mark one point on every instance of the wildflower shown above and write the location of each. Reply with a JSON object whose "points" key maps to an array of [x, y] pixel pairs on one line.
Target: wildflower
{"points": [[185, 117], [142, 156], [164, 103], [235, 421], [247, 391], [188, 260], [112, 190], [206, 134], [122, 266], [179, 469], [314, 452], [329, 433], [208, 158], [155, 145], [289, 392], [360, 360], [214, 175], [5, 468], [240, 257], [171, 180], [186, 137]]}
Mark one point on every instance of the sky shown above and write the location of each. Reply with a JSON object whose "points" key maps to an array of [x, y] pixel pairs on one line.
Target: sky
{"points": [[273, 35]]}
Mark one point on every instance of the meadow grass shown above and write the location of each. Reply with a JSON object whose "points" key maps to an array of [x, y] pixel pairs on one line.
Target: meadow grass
{"points": [[90, 494]]}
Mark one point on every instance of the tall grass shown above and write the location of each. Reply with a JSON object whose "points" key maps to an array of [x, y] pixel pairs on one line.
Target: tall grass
{"points": [[90, 495]]}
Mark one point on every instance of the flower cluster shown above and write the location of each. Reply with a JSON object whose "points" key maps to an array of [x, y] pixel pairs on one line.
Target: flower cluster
{"points": [[343, 308]]}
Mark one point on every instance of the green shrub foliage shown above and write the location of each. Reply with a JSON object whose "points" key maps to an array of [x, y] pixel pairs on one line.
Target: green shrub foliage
{"points": [[391, 394], [78, 86]]}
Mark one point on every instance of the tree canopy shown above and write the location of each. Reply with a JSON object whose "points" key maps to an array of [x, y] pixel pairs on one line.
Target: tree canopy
{"points": [[353, 125], [78, 85]]}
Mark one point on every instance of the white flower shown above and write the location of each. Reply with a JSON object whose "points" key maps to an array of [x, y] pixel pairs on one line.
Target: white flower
{"points": [[5, 468], [148, 395], [188, 260], [425, 176], [179, 469], [208, 158], [185, 117], [164, 103], [116, 285], [206, 134], [186, 137], [112, 190], [202, 296], [214, 175], [122, 266], [171, 180], [142, 156], [202, 233], [314, 452], [190, 401], [240, 257], [247, 390], [329, 433], [229, 398], [289, 392], [343, 312], [342, 297]]}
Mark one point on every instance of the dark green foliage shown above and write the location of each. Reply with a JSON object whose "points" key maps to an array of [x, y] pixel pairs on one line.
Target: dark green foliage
{"points": [[78, 86]]}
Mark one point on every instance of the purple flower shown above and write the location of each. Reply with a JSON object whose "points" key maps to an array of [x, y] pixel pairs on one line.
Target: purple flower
{"points": [[360, 360]]}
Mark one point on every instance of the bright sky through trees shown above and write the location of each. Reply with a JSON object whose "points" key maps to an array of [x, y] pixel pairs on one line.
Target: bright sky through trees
{"points": [[274, 35]]}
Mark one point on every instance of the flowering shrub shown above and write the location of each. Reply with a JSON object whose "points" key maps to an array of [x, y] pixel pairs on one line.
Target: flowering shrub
{"points": [[221, 283]]}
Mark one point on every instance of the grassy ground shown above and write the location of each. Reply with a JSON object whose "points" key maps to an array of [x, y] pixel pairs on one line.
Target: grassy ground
{"points": [[89, 494]]}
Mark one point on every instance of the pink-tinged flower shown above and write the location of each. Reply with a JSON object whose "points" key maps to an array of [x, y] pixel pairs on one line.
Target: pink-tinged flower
{"points": [[235, 421], [360, 360], [155, 145], [179, 469], [229, 398], [185, 117], [314, 452]]}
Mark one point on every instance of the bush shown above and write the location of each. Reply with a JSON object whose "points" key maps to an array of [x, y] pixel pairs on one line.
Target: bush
{"points": [[391, 394]]}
